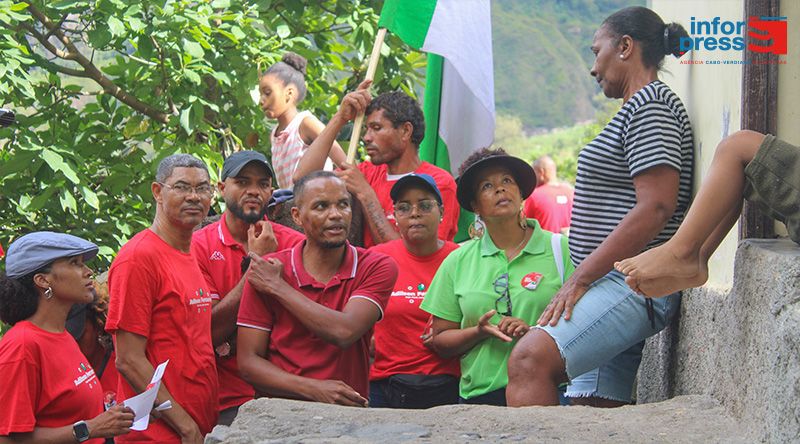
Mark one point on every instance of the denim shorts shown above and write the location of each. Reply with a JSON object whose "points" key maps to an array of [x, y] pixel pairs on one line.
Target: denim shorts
{"points": [[602, 343]]}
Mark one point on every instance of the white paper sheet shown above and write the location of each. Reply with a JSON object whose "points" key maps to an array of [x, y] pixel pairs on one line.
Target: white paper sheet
{"points": [[142, 403]]}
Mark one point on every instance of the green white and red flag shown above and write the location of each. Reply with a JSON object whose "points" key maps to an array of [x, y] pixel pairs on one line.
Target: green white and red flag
{"points": [[459, 85]]}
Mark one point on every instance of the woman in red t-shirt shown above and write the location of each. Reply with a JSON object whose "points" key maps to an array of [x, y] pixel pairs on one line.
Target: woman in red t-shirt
{"points": [[406, 373], [50, 393]]}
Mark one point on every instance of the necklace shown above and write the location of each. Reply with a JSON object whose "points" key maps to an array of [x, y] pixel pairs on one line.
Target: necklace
{"points": [[517, 249]]}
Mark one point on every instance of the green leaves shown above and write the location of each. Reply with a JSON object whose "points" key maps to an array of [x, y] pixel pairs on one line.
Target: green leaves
{"points": [[57, 163], [191, 117], [82, 160], [193, 49], [283, 31], [68, 4], [116, 27]]}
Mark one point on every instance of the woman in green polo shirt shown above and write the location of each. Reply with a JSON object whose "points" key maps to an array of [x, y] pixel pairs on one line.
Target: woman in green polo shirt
{"points": [[490, 291]]}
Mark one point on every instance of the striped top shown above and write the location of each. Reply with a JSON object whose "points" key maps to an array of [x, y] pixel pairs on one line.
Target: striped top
{"points": [[287, 149], [651, 129]]}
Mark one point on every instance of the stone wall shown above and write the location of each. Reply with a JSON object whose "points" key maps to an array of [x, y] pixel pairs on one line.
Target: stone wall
{"points": [[742, 347], [685, 419]]}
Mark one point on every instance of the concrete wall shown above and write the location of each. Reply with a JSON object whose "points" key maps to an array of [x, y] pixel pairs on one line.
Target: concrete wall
{"points": [[712, 96], [742, 347]]}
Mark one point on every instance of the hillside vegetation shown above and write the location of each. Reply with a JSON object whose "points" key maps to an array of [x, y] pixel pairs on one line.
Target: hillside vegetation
{"points": [[542, 59]]}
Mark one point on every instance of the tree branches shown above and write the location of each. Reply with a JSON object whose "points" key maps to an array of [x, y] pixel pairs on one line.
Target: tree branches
{"points": [[89, 69]]}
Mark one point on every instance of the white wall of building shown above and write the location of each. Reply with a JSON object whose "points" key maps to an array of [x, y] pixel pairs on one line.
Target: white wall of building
{"points": [[712, 96]]}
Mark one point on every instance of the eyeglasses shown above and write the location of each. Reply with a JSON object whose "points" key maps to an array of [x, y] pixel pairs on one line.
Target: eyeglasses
{"points": [[186, 189], [503, 303], [424, 207]]}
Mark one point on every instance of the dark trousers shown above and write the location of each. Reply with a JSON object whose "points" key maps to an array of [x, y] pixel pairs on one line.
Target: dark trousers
{"points": [[227, 416], [496, 397], [413, 391]]}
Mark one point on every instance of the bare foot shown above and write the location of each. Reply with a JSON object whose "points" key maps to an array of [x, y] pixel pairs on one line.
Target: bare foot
{"points": [[666, 285], [662, 261]]}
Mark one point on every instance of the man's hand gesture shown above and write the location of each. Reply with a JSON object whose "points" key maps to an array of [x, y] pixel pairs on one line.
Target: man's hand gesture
{"points": [[261, 239], [265, 275]]}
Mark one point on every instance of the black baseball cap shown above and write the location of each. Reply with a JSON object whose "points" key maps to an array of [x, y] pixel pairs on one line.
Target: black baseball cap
{"points": [[236, 161]]}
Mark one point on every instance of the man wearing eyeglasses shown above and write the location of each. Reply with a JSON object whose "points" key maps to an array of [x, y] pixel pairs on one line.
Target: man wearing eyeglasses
{"points": [[160, 309], [393, 131], [221, 251]]}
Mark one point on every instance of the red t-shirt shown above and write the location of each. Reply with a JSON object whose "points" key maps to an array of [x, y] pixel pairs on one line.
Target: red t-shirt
{"points": [[47, 382], [159, 292], [398, 347], [220, 257], [294, 348], [551, 205], [110, 376], [380, 181]]}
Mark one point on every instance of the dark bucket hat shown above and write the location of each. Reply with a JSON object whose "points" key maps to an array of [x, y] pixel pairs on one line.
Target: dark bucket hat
{"points": [[522, 172]]}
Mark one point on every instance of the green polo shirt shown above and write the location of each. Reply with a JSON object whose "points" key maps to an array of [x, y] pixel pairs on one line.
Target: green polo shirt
{"points": [[463, 290]]}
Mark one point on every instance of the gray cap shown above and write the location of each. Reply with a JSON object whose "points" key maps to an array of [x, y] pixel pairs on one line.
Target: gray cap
{"points": [[35, 251], [236, 161]]}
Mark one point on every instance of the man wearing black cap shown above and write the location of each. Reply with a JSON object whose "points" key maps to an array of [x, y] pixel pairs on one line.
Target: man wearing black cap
{"points": [[220, 249], [160, 309]]}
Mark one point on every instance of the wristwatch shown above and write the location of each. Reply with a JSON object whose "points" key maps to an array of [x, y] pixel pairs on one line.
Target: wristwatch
{"points": [[80, 430]]}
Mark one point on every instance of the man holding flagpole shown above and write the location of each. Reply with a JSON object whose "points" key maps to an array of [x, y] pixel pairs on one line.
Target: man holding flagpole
{"points": [[394, 129]]}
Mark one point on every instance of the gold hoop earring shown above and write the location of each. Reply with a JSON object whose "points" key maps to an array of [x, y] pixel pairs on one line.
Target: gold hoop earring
{"points": [[523, 220], [48, 294], [476, 228]]}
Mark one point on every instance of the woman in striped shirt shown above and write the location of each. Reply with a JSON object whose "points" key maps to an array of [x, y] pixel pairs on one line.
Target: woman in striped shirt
{"points": [[632, 189]]}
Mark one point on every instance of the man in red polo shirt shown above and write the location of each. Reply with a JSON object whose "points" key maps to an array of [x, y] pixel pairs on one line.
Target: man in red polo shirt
{"points": [[306, 314], [159, 309], [220, 248], [394, 129]]}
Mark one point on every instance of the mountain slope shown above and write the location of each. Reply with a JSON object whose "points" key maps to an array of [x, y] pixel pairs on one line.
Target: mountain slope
{"points": [[542, 58]]}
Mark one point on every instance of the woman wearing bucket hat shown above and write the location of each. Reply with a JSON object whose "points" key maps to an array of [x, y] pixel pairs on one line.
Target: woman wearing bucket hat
{"points": [[406, 373], [487, 293], [51, 393]]}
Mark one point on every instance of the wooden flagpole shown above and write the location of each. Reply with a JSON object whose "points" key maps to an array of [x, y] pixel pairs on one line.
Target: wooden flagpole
{"points": [[371, 67]]}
